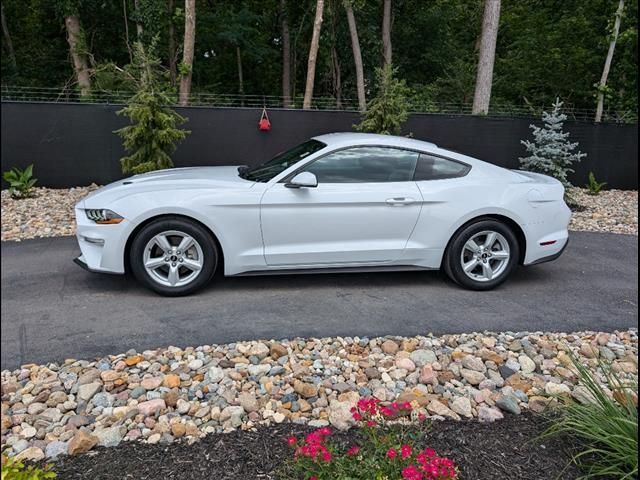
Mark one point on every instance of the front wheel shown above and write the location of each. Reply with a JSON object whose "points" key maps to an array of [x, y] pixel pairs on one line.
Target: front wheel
{"points": [[173, 256], [482, 255]]}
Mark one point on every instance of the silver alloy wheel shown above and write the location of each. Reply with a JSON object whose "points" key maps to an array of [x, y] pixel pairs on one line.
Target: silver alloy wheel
{"points": [[173, 258], [485, 256]]}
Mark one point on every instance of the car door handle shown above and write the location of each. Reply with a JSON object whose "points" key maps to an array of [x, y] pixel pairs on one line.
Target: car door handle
{"points": [[399, 201]]}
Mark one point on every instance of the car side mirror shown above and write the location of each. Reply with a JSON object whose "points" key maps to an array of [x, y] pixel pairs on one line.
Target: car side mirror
{"points": [[304, 179]]}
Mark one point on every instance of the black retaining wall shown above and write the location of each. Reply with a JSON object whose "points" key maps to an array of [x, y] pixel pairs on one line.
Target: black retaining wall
{"points": [[73, 144]]}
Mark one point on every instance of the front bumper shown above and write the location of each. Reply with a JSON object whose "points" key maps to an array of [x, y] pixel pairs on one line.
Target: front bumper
{"points": [[102, 246], [80, 261]]}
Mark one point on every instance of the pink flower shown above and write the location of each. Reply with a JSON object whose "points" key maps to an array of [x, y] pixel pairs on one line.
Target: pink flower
{"points": [[326, 456], [357, 417], [371, 423], [353, 451], [313, 478], [291, 441], [391, 453], [411, 473], [405, 451], [422, 417], [406, 406], [430, 452]]}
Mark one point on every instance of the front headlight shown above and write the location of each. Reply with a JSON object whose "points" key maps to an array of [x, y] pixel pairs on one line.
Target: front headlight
{"points": [[103, 216]]}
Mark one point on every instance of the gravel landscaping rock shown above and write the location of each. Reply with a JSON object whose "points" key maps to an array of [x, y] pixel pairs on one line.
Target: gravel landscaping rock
{"points": [[155, 396], [614, 211], [49, 213]]}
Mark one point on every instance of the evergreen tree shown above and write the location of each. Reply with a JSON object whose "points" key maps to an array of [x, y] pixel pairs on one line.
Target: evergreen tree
{"points": [[551, 153], [389, 109], [154, 132]]}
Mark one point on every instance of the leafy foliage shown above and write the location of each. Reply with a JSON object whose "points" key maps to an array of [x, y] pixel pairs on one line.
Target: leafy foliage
{"points": [[154, 132], [389, 109], [550, 152], [13, 469], [606, 427], [21, 182], [593, 186]]}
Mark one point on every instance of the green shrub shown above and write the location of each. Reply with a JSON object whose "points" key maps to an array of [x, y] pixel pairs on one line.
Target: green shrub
{"points": [[389, 109], [13, 469], [594, 187], [20, 181], [153, 133], [386, 451], [606, 428]]}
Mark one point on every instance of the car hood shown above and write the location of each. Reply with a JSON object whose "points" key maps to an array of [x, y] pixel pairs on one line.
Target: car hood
{"points": [[166, 180]]}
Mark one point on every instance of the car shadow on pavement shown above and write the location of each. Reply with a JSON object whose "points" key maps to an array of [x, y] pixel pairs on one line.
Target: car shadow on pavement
{"points": [[108, 284]]}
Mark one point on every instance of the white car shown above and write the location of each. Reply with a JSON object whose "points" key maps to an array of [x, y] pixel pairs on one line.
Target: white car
{"points": [[338, 202]]}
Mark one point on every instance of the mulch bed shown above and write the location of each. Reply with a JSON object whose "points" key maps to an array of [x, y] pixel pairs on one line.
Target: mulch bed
{"points": [[504, 449]]}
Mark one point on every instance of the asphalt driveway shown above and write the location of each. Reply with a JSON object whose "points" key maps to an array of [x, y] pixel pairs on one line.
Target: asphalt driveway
{"points": [[52, 309]]}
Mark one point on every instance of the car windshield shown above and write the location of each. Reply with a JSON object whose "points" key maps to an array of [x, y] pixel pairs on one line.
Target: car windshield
{"points": [[282, 161]]}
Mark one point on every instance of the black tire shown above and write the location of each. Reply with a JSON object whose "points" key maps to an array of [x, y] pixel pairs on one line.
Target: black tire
{"points": [[191, 228], [452, 263]]}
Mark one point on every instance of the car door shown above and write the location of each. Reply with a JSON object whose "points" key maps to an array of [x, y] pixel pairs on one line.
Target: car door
{"points": [[362, 210]]}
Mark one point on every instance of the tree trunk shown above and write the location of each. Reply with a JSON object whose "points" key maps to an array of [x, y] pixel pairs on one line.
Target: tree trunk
{"points": [[286, 56], [172, 43], [187, 55], [78, 55], [294, 59], [487, 56], [139, 27], [126, 29], [336, 76], [240, 79], [313, 54], [357, 56], [607, 62], [386, 33], [7, 39]]}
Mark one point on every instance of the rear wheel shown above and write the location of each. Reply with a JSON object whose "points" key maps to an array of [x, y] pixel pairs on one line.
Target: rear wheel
{"points": [[173, 256], [482, 255]]}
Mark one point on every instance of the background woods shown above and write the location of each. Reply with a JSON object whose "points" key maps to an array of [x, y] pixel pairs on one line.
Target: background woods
{"points": [[330, 49]]}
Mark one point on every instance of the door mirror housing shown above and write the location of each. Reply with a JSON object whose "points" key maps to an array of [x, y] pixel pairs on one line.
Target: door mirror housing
{"points": [[304, 179]]}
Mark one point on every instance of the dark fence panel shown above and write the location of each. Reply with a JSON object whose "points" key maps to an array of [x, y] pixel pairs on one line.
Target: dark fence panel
{"points": [[73, 144]]}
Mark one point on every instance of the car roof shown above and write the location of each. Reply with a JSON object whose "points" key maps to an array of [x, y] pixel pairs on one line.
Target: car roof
{"points": [[351, 138]]}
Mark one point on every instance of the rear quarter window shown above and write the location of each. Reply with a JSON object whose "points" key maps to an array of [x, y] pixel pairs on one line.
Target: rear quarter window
{"points": [[431, 167]]}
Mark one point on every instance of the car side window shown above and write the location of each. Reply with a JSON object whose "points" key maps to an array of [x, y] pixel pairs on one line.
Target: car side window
{"points": [[431, 167], [365, 165]]}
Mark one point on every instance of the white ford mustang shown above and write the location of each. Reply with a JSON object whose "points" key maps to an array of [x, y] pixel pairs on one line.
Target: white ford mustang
{"points": [[338, 202]]}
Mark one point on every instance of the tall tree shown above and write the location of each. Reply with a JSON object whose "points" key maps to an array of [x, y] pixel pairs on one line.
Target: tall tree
{"points": [[386, 33], [602, 85], [286, 55], [336, 72], [78, 50], [313, 55], [139, 26], [486, 57], [357, 55], [240, 76], [171, 7], [186, 68], [7, 39]]}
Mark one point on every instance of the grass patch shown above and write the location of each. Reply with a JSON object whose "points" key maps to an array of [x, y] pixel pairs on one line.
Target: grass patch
{"points": [[606, 427]]}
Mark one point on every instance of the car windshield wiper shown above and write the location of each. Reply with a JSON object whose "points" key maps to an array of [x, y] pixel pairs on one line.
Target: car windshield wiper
{"points": [[242, 171]]}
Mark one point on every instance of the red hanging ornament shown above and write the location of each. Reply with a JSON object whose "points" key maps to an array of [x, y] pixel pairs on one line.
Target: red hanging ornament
{"points": [[264, 124]]}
